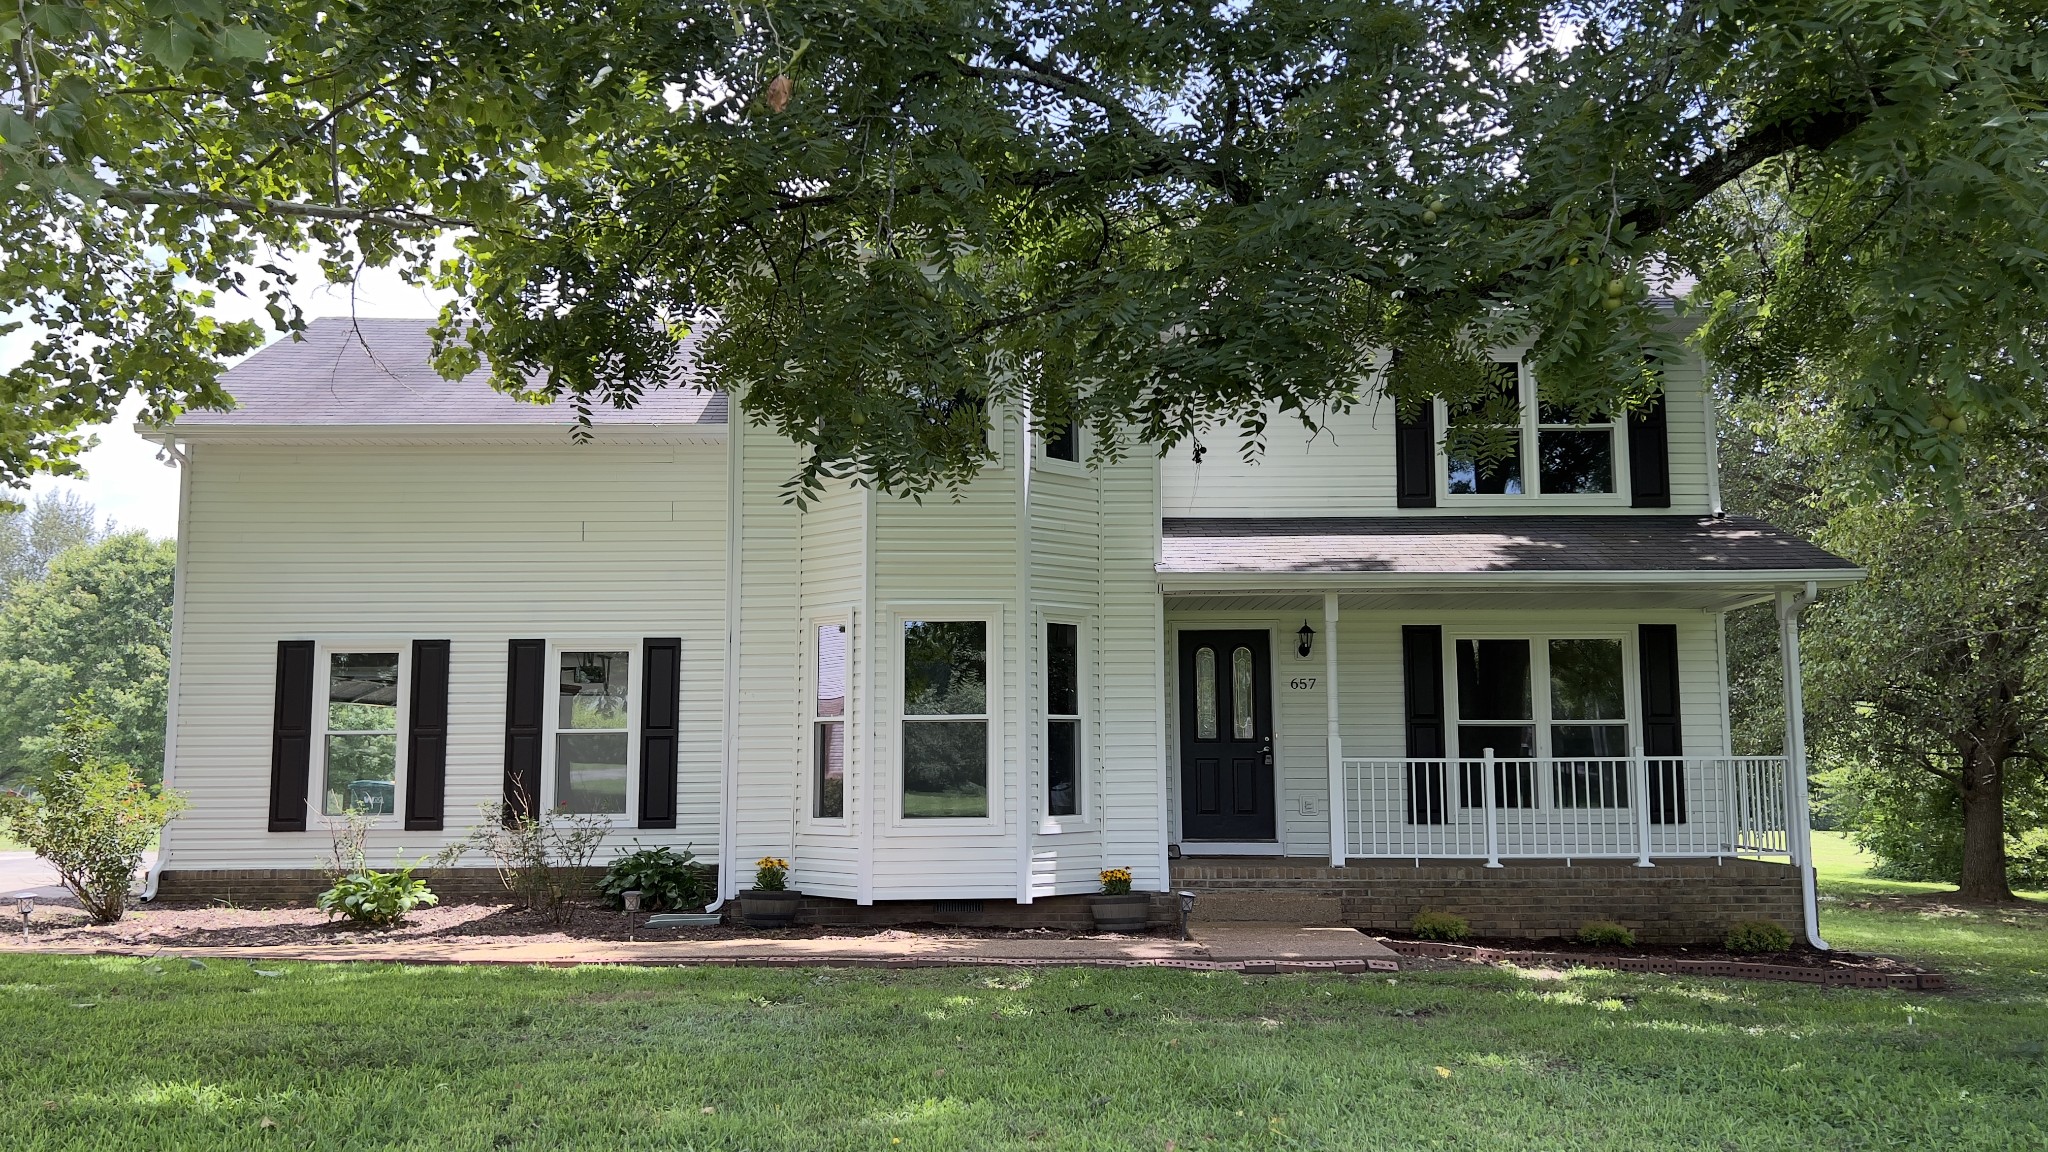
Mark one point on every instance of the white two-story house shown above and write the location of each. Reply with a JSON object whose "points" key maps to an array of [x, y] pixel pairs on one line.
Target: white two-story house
{"points": [[1350, 680]]}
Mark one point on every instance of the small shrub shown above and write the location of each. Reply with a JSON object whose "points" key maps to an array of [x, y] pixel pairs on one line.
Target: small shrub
{"points": [[1753, 937], [1442, 927], [378, 898], [1606, 932], [666, 879], [536, 857], [770, 874], [91, 818], [1116, 881]]}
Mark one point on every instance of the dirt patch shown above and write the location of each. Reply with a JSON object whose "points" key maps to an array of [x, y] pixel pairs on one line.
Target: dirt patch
{"points": [[1567, 951], [60, 923], [1802, 964]]}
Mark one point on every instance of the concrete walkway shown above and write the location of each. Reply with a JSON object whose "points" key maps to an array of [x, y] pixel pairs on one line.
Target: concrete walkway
{"points": [[1238, 947]]}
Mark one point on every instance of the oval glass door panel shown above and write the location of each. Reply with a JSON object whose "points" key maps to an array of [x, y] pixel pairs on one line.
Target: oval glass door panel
{"points": [[1243, 722], [1205, 693]]}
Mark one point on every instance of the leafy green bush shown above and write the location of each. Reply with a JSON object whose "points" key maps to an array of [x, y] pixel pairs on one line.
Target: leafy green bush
{"points": [[91, 818], [1754, 937], [373, 897], [1606, 932], [667, 880], [1440, 926]]}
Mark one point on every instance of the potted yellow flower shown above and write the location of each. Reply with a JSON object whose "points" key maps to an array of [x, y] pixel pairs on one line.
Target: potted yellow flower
{"points": [[769, 903], [1119, 909]]}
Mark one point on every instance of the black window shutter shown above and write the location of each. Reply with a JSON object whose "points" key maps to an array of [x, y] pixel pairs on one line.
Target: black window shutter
{"points": [[525, 725], [291, 736], [426, 737], [1649, 458], [660, 730], [1662, 742], [1415, 458], [1422, 675]]}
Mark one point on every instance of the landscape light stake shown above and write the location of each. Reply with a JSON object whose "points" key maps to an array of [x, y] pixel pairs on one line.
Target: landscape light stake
{"points": [[25, 901], [1187, 909]]}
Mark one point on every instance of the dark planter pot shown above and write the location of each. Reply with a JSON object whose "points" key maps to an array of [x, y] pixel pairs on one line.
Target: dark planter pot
{"points": [[1126, 913], [760, 909]]}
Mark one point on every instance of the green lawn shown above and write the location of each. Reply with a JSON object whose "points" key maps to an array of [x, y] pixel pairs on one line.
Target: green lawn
{"points": [[108, 1054]]}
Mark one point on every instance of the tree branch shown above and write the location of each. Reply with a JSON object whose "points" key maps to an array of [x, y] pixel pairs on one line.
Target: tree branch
{"points": [[399, 219]]}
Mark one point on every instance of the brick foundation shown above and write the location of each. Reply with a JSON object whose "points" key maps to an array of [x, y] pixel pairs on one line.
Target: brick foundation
{"points": [[1677, 902]]}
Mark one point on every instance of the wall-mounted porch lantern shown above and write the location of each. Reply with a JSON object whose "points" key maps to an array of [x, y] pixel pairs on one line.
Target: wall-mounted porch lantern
{"points": [[1307, 642]]}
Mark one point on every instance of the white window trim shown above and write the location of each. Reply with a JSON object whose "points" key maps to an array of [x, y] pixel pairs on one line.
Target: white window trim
{"points": [[807, 789], [636, 656], [1532, 481], [989, 613], [316, 790], [1083, 818], [1539, 678]]}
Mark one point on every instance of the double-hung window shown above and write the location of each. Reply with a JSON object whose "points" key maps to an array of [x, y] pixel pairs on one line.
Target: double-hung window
{"points": [[1062, 719], [593, 732], [359, 744], [828, 724], [1564, 698], [1064, 444], [1508, 442], [945, 719]]}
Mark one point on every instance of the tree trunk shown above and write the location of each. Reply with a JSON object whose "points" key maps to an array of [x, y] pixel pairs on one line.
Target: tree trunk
{"points": [[1983, 880]]}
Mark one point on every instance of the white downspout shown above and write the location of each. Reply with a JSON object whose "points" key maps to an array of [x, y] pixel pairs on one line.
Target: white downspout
{"points": [[1798, 817], [182, 461], [735, 439]]}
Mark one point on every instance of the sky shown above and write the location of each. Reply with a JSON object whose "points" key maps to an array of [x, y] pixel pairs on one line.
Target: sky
{"points": [[124, 478]]}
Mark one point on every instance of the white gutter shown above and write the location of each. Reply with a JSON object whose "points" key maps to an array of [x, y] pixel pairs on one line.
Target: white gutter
{"points": [[183, 462], [413, 432], [1798, 815]]}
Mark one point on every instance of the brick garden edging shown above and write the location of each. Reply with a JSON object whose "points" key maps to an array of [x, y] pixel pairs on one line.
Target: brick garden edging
{"points": [[1726, 969]]}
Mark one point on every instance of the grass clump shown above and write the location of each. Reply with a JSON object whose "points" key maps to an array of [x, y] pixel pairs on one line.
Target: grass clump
{"points": [[1606, 933], [1756, 937], [1442, 927]]}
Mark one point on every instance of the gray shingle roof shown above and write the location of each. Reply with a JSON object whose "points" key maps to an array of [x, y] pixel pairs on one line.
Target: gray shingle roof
{"points": [[1482, 545], [357, 372]]}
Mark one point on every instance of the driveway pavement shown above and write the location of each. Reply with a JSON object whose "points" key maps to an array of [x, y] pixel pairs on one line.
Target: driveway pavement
{"points": [[26, 872]]}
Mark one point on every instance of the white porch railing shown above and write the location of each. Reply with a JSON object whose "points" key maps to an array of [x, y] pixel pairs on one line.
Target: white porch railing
{"points": [[1591, 808]]}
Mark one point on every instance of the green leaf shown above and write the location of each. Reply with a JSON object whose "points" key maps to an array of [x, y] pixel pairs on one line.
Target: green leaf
{"points": [[241, 42], [171, 44]]}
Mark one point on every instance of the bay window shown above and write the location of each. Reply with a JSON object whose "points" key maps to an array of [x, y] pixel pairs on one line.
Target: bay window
{"points": [[945, 730], [1062, 719], [828, 724]]}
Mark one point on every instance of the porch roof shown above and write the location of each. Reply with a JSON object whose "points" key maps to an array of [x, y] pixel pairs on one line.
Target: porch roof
{"points": [[1533, 549]]}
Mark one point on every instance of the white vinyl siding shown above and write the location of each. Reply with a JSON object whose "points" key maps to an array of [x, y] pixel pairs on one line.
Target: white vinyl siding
{"points": [[368, 545]]}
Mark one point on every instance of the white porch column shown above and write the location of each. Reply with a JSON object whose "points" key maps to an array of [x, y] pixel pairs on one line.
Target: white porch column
{"points": [[1338, 807], [1798, 816]]}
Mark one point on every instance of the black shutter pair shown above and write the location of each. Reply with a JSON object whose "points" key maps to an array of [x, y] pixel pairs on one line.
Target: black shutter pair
{"points": [[1649, 458], [291, 740], [1422, 667], [660, 727]]}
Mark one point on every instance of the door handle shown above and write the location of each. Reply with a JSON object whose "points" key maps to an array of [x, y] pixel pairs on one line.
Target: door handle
{"points": [[1267, 747]]}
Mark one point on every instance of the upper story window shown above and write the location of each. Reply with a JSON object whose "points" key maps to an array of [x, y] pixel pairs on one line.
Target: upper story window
{"points": [[1520, 446], [1064, 444]]}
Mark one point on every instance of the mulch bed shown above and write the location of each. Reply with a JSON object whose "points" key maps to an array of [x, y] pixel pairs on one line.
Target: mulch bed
{"points": [[1801, 965], [59, 923]]}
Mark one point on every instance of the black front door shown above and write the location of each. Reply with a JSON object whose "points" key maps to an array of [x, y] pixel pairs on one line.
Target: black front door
{"points": [[1226, 736]]}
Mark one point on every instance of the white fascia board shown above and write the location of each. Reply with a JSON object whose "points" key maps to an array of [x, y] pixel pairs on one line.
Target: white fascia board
{"points": [[433, 433]]}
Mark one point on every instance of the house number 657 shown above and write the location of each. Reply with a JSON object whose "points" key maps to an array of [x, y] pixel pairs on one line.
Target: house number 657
{"points": [[1302, 683]]}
